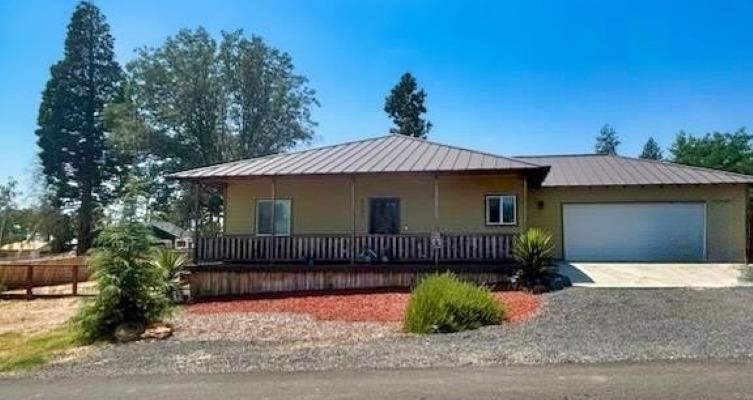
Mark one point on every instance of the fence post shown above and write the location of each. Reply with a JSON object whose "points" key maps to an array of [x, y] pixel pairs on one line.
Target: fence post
{"points": [[29, 281], [75, 280]]}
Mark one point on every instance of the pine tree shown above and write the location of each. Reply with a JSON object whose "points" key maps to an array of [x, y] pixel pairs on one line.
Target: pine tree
{"points": [[71, 135], [607, 141], [405, 105], [651, 150]]}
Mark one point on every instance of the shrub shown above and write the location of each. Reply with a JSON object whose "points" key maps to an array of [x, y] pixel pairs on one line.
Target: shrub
{"points": [[443, 303], [131, 289], [532, 251], [170, 263]]}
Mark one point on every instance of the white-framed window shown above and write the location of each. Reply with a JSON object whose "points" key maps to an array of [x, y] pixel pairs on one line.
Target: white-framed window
{"points": [[501, 210], [264, 215]]}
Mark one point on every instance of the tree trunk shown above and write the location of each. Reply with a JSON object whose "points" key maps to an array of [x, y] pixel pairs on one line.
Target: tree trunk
{"points": [[84, 228]]}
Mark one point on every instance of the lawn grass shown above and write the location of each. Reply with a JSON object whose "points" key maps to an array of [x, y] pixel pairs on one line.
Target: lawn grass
{"points": [[20, 351]]}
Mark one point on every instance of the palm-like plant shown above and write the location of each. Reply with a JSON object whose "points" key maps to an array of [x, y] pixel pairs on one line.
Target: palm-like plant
{"points": [[170, 263], [531, 250]]}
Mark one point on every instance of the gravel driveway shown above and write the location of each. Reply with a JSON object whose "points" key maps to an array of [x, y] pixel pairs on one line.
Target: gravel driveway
{"points": [[576, 325]]}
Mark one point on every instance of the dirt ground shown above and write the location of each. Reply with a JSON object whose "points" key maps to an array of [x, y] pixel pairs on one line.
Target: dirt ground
{"points": [[35, 315]]}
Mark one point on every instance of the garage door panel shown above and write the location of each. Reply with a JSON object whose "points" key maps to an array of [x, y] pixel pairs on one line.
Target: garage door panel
{"points": [[634, 231]]}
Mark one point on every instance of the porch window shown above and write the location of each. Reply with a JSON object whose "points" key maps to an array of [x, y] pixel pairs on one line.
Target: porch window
{"points": [[501, 210], [281, 217]]}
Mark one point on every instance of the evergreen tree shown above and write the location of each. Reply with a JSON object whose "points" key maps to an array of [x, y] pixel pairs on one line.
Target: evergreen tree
{"points": [[651, 150], [405, 106], [607, 141], [728, 151], [75, 158]]}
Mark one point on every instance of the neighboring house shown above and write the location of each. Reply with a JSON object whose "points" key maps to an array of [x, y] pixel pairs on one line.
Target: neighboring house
{"points": [[25, 249], [401, 199], [170, 235]]}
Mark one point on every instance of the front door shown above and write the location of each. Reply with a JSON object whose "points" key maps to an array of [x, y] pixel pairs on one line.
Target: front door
{"points": [[384, 216]]}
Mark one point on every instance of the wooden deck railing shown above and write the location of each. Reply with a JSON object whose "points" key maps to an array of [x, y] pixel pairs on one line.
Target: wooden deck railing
{"points": [[453, 247]]}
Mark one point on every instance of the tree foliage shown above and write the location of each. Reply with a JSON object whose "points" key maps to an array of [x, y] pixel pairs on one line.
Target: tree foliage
{"points": [[132, 290], [75, 157], [8, 195], [651, 150], [405, 106], [607, 141], [719, 150], [195, 102]]}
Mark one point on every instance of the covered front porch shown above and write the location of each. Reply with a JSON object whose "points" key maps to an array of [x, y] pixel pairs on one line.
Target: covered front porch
{"points": [[357, 248], [426, 218]]}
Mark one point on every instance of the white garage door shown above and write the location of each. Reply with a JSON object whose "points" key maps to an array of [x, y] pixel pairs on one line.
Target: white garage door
{"points": [[634, 231]]}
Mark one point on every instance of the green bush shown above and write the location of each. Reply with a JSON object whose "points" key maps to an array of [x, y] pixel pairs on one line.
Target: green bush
{"points": [[532, 252], [131, 289], [170, 263], [443, 303]]}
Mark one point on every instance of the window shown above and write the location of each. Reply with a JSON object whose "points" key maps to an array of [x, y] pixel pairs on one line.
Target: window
{"points": [[264, 217], [501, 210]]}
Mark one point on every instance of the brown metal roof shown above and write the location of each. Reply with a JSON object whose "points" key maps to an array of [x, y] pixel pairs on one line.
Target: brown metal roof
{"points": [[611, 170], [393, 153]]}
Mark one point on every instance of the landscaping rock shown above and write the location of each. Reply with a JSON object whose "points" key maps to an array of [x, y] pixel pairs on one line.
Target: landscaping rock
{"points": [[158, 332], [128, 332]]}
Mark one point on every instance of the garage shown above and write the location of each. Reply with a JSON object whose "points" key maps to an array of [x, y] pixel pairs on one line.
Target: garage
{"points": [[666, 231]]}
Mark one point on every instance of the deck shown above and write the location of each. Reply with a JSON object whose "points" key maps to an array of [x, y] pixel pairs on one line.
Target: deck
{"points": [[369, 249]]}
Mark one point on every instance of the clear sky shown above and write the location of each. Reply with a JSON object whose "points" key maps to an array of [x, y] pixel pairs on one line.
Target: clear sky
{"points": [[530, 77]]}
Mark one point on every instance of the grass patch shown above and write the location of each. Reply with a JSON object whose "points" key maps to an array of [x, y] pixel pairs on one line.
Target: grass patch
{"points": [[19, 351]]}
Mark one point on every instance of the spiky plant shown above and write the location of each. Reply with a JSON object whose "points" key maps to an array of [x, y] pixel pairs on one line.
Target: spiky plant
{"points": [[532, 250]]}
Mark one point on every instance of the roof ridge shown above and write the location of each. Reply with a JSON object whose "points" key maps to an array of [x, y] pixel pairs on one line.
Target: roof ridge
{"points": [[674, 164], [567, 155], [467, 149]]}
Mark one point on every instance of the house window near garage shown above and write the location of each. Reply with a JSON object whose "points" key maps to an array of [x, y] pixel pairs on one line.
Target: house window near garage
{"points": [[281, 217], [501, 210]]}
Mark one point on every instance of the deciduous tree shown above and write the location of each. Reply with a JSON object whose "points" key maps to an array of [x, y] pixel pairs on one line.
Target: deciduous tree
{"points": [[718, 150]]}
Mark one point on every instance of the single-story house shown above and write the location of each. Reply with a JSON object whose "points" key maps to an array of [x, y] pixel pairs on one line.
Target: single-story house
{"points": [[401, 199]]}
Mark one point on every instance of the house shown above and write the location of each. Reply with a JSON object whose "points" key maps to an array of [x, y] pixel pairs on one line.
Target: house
{"points": [[30, 248], [397, 199], [170, 235]]}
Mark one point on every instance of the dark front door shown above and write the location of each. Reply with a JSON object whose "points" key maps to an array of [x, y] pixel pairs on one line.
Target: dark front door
{"points": [[384, 216]]}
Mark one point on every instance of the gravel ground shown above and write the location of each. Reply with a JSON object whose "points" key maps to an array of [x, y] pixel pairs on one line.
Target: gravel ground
{"points": [[576, 325], [277, 327]]}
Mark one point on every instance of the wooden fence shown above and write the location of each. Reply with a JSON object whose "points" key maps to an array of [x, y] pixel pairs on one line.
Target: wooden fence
{"points": [[238, 281], [45, 272], [418, 248]]}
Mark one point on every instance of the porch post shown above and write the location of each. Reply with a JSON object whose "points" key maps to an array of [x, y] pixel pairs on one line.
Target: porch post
{"points": [[353, 219], [271, 242], [436, 216], [196, 223], [524, 217]]}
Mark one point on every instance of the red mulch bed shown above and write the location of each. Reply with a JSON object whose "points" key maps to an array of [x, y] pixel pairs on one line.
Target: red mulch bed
{"points": [[378, 307]]}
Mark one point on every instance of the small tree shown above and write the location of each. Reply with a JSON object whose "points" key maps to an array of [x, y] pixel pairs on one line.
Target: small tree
{"points": [[132, 290], [405, 106], [651, 150], [607, 141]]}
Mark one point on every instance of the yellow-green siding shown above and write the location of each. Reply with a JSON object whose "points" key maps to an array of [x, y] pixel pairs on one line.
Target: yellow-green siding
{"points": [[322, 205], [726, 214]]}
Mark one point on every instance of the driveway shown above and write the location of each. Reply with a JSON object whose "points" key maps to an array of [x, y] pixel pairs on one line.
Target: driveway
{"points": [[652, 275]]}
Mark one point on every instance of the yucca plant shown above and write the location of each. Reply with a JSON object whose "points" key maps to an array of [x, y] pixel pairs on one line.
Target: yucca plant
{"points": [[170, 263], [532, 250]]}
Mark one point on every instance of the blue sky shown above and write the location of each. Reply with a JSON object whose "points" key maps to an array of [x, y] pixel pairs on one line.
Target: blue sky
{"points": [[528, 77]]}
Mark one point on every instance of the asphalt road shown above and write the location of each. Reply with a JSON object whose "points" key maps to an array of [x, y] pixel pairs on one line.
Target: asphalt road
{"points": [[656, 380]]}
